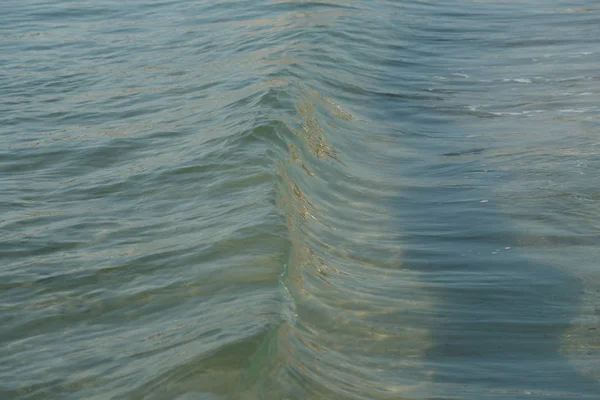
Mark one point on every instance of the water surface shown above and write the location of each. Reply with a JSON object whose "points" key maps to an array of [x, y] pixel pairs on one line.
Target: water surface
{"points": [[342, 199]]}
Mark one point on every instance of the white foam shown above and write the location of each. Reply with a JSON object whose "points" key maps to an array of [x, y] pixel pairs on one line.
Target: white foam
{"points": [[575, 110], [518, 80]]}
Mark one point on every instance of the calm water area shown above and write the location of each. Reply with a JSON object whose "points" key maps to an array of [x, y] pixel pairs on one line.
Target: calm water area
{"points": [[299, 200]]}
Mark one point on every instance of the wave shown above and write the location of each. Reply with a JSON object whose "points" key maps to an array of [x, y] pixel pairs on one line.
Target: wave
{"points": [[341, 286]]}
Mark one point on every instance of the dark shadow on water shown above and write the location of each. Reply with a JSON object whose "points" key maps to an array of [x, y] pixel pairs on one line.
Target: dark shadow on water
{"points": [[500, 317]]}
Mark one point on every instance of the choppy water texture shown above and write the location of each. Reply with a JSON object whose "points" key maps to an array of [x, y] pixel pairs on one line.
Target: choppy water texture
{"points": [[289, 200]]}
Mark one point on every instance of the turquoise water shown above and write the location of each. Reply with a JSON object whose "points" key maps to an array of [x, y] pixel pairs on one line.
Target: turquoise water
{"points": [[342, 199]]}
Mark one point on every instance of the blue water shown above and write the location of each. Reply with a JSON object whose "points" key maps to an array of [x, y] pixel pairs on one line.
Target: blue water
{"points": [[337, 199]]}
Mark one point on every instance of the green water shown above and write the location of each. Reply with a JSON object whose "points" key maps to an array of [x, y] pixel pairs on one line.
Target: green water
{"points": [[296, 200]]}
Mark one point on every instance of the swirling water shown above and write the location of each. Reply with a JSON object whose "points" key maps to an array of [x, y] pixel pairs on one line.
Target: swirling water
{"points": [[277, 199]]}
